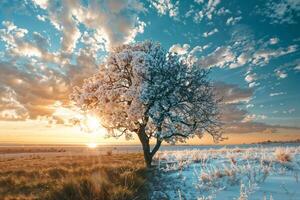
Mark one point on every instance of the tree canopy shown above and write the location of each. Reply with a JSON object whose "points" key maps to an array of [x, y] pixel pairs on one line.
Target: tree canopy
{"points": [[143, 89]]}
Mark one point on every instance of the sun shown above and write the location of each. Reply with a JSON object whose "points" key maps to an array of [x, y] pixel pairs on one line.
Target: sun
{"points": [[92, 123], [92, 145]]}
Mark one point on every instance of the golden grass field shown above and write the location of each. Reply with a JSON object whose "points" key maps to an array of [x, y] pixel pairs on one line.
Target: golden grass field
{"points": [[86, 177]]}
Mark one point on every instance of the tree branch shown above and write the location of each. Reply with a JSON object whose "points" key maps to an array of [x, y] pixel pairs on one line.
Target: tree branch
{"points": [[175, 134]]}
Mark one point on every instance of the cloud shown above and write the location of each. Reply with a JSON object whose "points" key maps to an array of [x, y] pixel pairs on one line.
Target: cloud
{"points": [[208, 10], [198, 48], [285, 11], [292, 110], [12, 33], [280, 74], [236, 120], [252, 117], [230, 113], [250, 105], [250, 127], [241, 60], [63, 19], [294, 64], [41, 3], [207, 34], [17, 45], [253, 84], [32, 91], [277, 94], [233, 94], [180, 50], [297, 67], [250, 78], [263, 56], [41, 17], [115, 21], [165, 7], [195, 53], [223, 11], [243, 41], [252, 52], [221, 57], [233, 20], [33, 80], [242, 49], [274, 40], [21, 101], [10, 108], [256, 127]]}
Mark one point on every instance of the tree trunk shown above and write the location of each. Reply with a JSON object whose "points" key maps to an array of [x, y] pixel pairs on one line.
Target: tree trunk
{"points": [[148, 159], [146, 147], [148, 155]]}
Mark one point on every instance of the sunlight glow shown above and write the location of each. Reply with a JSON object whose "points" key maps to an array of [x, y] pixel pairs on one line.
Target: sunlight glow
{"points": [[92, 123], [92, 145], [88, 123]]}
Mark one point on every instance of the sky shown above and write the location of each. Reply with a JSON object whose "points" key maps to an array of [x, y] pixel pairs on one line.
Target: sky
{"points": [[48, 47]]}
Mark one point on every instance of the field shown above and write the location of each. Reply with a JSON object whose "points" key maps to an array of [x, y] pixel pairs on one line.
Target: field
{"points": [[66, 176], [254, 172]]}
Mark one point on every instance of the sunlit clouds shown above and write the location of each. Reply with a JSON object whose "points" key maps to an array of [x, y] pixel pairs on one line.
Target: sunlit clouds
{"points": [[48, 47]]}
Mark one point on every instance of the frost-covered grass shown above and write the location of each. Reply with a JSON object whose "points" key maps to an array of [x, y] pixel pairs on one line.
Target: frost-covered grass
{"points": [[238, 173], [283, 155]]}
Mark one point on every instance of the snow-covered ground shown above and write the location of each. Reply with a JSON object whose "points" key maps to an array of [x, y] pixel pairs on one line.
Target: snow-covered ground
{"points": [[260, 172]]}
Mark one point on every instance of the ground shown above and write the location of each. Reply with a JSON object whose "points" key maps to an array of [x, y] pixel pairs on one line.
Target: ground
{"points": [[63, 174], [256, 173]]}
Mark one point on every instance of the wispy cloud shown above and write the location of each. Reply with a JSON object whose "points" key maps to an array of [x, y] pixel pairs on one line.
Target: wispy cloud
{"points": [[237, 120], [180, 50], [282, 11], [166, 7], [281, 74], [208, 10], [233, 20], [263, 56], [221, 57], [277, 94], [209, 33]]}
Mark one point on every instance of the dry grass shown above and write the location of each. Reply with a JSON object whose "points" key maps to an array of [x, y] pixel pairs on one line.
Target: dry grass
{"points": [[103, 177], [30, 149], [283, 155]]}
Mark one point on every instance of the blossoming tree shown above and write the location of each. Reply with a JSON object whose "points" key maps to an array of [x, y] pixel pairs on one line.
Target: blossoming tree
{"points": [[144, 90]]}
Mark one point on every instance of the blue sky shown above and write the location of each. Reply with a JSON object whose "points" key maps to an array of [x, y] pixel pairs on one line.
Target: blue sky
{"points": [[251, 47]]}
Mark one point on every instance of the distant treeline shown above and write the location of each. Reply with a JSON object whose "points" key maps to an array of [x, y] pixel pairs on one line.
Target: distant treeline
{"points": [[277, 142], [30, 149]]}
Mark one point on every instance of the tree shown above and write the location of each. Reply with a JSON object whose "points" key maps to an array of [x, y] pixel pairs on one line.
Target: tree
{"points": [[144, 90]]}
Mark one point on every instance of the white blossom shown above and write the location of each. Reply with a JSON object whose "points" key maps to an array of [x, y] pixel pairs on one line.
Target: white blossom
{"points": [[143, 89]]}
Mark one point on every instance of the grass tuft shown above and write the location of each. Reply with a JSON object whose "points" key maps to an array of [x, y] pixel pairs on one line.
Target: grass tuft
{"points": [[283, 155]]}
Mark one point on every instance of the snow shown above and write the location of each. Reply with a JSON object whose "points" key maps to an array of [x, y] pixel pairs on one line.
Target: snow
{"points": [[220, 174]]}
